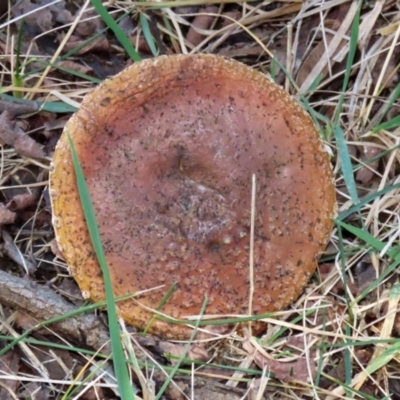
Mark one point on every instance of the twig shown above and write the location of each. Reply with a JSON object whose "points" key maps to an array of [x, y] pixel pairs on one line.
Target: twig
{"points": [[42, 303], [251, 258]]}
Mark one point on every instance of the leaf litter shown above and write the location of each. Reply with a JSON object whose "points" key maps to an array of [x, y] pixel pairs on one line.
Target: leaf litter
{"points": [[12, 134], [312, 41]]}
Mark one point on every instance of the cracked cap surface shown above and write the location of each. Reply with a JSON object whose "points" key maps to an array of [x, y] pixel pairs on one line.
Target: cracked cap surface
{"points": [[168, 148]]}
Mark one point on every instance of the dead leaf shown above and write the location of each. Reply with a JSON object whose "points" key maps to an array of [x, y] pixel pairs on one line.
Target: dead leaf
{"points": [[21, 201], [74, 66], [325, 271], [257, 386], [63, 16], [365, 174], [229, 16], [35, 391], [237, 51], [200, 23], [296, 342], [365, 274], [213, 331], [195, 352], [15, 108], [54, 125], [363, 355], [397, 323], [181, 10], [99, 44], [390, 76], [316, 54], [6, 216], [41, 218], [91, 24], [137, 40], [321, 58], [12, 135], [9, 365], [127, 25], [42, 18], [58, 362], [286, 371], [56, 249]]}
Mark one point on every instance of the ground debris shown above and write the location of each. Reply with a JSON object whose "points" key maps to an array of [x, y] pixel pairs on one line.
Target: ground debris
{"points": [[9, 365], [6, 216], [56, 249], [74, 66], [43, 18], [195, 352], [13, 135], [42, 303], [21, 201], [299, 370], [100, 43], [201, 22], [15, 108]]}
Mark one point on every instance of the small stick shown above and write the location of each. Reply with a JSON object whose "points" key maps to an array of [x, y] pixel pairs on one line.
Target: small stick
{"points": [[251, 260], [289, 55]]}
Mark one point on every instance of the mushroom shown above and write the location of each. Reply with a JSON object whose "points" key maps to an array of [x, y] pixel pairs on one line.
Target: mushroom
{"points": [[168, 148]]}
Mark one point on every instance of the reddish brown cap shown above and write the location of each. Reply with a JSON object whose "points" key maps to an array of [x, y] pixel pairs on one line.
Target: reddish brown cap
{"points": [[168, 148]]}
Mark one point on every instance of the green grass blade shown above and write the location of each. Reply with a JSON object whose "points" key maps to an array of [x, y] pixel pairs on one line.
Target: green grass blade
{"points": [[323, 346], [18, 66], [391, 100], [51, 106], [382, 276], [350, 389], [119, 361], [377, 157], [391, 124], [148, 364], [148, 35], [314, 84], [57, 107], [273, 68], [320, 364], [347, 167], [72, 314], [119, 33], [393, 253], [70, 71], [350, 61], [348, 368], [160, 306], [384, 358], [366, 200], [185, 351], [343, 151]]}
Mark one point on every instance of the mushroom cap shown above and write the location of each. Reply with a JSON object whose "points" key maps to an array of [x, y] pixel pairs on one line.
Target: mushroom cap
{"points": [[168, 148]]}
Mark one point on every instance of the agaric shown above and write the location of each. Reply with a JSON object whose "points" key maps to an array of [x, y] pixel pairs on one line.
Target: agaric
{"points": [[168, 148]]}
